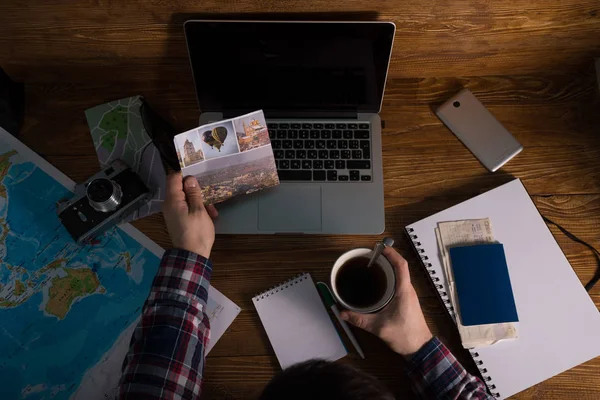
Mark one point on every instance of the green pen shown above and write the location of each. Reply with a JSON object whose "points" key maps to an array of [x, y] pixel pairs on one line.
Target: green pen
{"points": [[330, 302]]}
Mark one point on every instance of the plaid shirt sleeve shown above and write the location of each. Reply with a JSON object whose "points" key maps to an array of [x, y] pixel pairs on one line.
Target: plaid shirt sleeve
{"points": [[166, 357], [436, 374]]}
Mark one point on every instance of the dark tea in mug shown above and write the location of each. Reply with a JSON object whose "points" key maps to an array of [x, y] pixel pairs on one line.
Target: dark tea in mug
{"points": [[358, 285]]}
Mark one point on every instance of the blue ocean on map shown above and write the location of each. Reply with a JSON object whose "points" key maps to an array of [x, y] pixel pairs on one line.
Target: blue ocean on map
{"points": [[46, 347]]}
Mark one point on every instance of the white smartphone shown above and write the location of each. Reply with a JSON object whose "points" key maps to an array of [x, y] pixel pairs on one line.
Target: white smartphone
{"points": [[477, 128]]}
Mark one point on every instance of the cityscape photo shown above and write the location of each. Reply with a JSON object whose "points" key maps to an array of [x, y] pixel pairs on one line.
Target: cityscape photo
{"points": [[189, 150], [244, 173], [251, 131]]}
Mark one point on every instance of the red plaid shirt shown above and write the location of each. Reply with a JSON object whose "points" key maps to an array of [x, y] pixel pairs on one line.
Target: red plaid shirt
{"points": [[166, 358]]}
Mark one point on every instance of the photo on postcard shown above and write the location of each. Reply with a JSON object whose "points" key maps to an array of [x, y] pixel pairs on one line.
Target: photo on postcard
{"points": [[251, 131], [244, 173], [189, 149], [218, 140]]}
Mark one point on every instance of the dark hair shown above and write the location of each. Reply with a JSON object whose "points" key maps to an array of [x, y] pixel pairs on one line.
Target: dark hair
{"points": [[323, 380]]}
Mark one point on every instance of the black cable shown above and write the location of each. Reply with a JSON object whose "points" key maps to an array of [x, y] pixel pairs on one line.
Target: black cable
{"points": [[142, 156], [596, 276]]}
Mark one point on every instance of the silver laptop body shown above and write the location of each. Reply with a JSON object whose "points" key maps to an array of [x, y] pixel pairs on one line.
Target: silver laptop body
{"points": [[327, 146]]}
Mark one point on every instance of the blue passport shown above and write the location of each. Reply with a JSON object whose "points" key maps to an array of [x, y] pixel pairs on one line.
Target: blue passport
{"points": [[483, 285]]}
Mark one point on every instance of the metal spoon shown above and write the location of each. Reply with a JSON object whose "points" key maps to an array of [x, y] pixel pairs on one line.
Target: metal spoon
{"points": [[379, 246]]}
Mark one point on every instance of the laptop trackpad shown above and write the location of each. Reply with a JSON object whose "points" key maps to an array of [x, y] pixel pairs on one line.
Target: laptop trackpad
{"points": [[290, 209]]}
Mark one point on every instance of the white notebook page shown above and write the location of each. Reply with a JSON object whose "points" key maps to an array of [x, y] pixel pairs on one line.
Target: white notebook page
{"points": [[559, 325], [297, 323]]}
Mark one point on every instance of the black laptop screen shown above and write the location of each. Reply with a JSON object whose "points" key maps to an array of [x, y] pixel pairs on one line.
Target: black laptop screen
{"points": [[291, 66]]}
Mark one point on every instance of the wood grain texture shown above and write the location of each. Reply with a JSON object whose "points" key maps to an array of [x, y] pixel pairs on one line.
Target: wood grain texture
{"points": [[433, 37], [530, 63]]}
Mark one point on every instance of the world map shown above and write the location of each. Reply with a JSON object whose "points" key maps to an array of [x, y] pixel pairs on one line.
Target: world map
{"points": [[62, 305]]}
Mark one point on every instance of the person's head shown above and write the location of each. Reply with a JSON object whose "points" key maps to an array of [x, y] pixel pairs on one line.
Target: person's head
{"points": [[323, 380]]}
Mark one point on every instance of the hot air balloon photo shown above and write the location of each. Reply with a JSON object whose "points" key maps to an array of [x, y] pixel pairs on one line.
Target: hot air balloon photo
{"points": [[218, 140], [215, 137]]}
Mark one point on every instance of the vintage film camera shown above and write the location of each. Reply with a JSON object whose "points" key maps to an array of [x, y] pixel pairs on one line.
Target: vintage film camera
{"points": [[103, 201]]}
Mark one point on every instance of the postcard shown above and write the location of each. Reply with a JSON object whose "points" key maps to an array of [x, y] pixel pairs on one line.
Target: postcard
{"points": [[229, 158]]}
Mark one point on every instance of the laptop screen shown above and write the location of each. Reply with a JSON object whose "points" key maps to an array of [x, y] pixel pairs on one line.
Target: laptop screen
{"points": [[289, 66]]}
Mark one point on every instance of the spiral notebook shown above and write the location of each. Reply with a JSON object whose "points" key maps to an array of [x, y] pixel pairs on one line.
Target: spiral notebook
{"points": [[559, 325], [297, 322]]}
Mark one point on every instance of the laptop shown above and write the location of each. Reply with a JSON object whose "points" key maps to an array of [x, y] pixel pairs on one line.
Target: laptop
{"points": [[320, 85]]}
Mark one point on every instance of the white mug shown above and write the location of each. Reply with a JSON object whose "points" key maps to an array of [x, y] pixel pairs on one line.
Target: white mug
{"points": [[383, 263]]}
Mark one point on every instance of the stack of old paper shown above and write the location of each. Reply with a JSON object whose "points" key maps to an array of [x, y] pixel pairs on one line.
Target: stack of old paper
{"points": [[465, 233]]}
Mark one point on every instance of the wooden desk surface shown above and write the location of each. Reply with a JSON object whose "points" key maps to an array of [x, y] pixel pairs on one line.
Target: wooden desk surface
{"points": [[530, 62]]}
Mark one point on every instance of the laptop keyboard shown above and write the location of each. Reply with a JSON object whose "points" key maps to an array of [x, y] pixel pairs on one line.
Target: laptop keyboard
{"points": [[322, 151]]}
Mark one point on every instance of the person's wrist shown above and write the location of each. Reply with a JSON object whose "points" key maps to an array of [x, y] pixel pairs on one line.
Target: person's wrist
{"points": [[200, 249], [409, 346], [203, 251]]}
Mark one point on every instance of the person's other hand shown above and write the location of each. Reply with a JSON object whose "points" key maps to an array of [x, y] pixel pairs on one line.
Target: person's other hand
{"points": [[189, 223], [401, 323]]}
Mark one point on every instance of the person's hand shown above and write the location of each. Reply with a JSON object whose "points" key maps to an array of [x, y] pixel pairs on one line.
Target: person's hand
{"points": [[188, 221], [401, 323]]}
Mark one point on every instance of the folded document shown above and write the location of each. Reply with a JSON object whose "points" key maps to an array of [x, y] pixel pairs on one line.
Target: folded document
{"points": [[465, 233]]}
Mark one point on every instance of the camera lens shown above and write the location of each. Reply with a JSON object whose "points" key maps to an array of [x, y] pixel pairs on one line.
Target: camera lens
{"points": [[456, 104], [100, 190], [104, 195]]}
